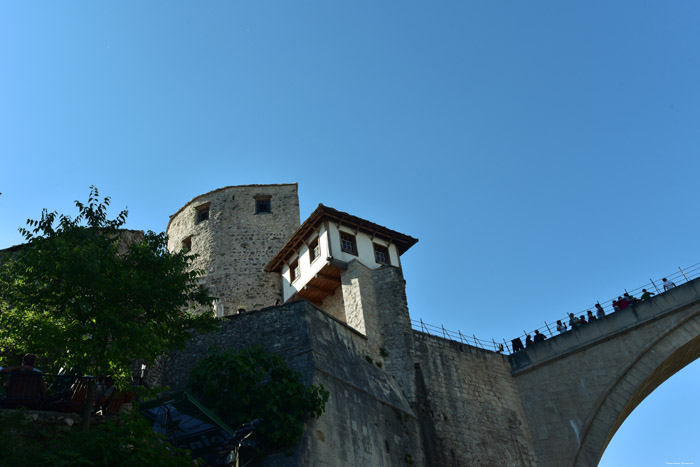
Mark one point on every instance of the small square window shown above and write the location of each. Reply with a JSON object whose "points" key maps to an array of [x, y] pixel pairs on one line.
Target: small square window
{"points": [[294, 271], [263, 206], [187, 244], [347, 243], [314, 250], [381, 254], [202, 213]]}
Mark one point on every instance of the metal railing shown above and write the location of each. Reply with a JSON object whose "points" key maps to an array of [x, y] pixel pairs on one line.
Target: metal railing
{"points": [[550, 328], [456, 336]]}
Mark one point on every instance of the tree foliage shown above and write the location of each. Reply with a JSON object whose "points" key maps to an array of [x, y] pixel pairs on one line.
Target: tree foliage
{"points": [[128, 442], [253, 384], [80, 294]]}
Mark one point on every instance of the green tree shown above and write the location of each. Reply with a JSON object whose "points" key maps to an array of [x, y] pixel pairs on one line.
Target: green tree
{"points": [[253, 384], [128, 442], [84, 293]]}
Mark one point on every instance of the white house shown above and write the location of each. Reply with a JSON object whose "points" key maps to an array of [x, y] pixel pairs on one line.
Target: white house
{"points": [[313, 259]]}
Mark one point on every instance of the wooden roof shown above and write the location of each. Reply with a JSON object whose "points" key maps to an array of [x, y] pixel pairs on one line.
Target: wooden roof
{"points": [[322, 213]]}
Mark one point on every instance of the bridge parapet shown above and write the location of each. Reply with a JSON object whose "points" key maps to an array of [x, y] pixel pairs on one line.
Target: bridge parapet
{"points": [[608, 327], [579, 387]]}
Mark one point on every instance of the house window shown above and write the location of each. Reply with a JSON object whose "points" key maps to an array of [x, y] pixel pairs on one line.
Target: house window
{"points": [[381, 254], [294, 271], [314, 250], [263, 205], [347, 243], [187, 244], [202, 213]]}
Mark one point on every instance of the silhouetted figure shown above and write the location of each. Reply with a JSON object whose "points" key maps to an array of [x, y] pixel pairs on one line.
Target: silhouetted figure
{"points": [[517, 344], [646, 295], [599, 312], [630, 299], [528, 341], [574, 322], [590, 316], [622, 303], [538, 337]]}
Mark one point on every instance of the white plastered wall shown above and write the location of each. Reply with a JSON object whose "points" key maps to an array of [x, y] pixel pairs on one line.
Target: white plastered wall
{"points": [[365, 247], [307, 269]]}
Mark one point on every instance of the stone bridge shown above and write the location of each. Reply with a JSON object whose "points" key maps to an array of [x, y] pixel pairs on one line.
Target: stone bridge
{"points": [[579, 387]]}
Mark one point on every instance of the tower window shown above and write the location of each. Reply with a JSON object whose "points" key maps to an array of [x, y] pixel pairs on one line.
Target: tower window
{"points": [[381, 254], [202, 213], [314, 250], [263, 205], [187, 244], [347, 243]]}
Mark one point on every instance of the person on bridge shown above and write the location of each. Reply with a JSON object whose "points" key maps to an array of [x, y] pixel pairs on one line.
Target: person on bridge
{"points": [[622, 303], [582, 320], [630, 299], [517, 344], [646, 295], [599, 312], [668, 285], [561, 327], [590, 316], [528, 341], [539, 337], [573, 321]]}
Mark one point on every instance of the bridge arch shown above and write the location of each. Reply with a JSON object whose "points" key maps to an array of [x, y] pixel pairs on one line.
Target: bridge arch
{"points": [[578, 388], [667, 355]]}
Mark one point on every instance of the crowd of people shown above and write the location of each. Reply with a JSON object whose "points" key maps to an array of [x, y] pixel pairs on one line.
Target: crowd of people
{"points": [[624, 301], [25, 386]]}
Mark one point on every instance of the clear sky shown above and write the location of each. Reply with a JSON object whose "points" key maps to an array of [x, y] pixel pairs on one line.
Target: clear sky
{"points": [[545, 153]]}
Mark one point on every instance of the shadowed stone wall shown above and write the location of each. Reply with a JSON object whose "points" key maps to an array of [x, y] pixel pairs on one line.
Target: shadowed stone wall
{"points": [[367, 421], [468, 406]]}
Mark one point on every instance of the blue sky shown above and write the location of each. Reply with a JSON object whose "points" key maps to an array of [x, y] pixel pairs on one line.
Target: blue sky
{"points": [[544, 153]]}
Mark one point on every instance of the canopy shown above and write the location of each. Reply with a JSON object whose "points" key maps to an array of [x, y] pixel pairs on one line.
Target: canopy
{"points": [[189, 425]]}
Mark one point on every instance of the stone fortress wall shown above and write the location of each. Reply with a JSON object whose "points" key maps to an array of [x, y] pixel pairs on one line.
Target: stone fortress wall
{"points": [[234, 242], [397, 396]]}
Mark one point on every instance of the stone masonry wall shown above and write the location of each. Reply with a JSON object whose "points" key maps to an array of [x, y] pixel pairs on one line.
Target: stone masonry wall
{"points": [[468, 406], [235, 243], [367, 421], [393, 333], [334, 305], [358, 296]]}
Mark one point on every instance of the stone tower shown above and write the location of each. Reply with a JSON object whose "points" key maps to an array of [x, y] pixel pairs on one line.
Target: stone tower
{"points": [[235, 230]]}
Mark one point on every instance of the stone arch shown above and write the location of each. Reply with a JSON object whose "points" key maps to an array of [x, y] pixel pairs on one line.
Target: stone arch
{"points": [[670, 352]]}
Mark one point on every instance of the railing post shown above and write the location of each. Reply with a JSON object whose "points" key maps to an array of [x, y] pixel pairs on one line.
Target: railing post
{"points": [[686, 277], [422, 326], [652, 283], [443, 331], [507, 346], [550, 331], [460, 336]]}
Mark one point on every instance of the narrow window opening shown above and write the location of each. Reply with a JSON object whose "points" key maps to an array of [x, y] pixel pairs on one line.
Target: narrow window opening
{"points": [[381, 254], [202, 213], [314, 250], [294, 271], [263, 205], [347, 243], [187, 244]]}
